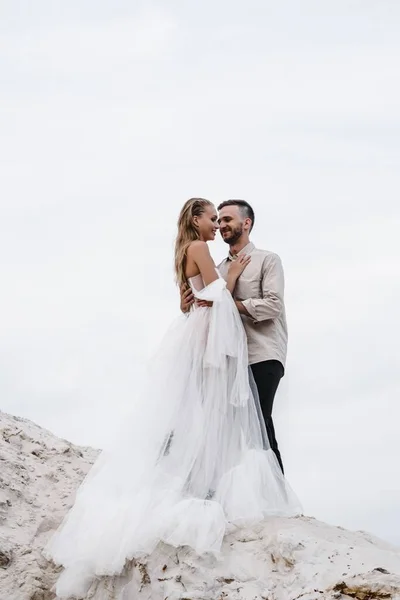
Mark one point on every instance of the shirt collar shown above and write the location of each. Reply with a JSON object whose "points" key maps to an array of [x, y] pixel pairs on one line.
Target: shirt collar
{"points": [[246, 250]]}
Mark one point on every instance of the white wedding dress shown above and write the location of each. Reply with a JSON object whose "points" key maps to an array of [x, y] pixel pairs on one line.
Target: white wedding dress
{"points": [[193, 458]]}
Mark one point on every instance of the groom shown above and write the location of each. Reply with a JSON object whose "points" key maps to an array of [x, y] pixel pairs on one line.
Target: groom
{"points": [[258, 296]]}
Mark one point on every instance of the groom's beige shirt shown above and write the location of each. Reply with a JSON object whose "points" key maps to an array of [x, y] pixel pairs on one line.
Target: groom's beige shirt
{"points": [[261, 290]]}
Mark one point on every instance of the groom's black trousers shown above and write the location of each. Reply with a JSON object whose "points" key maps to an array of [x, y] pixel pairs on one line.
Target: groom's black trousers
{"points": [[267, 375]]}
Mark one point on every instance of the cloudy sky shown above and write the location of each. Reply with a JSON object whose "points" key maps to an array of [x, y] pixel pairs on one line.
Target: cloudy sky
{"points": [[113, 113]]}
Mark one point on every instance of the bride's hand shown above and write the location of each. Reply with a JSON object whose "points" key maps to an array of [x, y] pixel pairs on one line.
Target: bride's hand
{"points": [[237, 266]]}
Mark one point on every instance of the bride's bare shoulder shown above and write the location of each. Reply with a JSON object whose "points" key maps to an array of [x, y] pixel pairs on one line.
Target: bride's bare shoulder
{"points": [[197, 248]]}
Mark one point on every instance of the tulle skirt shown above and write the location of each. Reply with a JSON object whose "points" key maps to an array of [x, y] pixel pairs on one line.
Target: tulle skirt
{"points": [[192, 458]]}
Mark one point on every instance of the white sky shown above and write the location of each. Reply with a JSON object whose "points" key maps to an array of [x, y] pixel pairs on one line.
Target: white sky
{"points": [[113, 113]]}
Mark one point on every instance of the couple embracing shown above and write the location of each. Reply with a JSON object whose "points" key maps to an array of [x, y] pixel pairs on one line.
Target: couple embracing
{"points": [[199, 454]]}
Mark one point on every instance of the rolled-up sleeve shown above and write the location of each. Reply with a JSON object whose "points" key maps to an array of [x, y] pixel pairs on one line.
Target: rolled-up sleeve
{"points": [[270, 305]]}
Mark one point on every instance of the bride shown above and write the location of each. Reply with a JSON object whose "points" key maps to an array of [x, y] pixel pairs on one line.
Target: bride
{"points": [[194, 456]]}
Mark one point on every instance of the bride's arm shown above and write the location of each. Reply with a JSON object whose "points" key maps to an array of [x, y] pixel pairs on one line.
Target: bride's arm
{"points": [[199, 253], [236, 268]]}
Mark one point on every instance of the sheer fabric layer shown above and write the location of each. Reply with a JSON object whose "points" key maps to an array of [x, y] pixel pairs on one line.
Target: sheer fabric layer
{"points": [[191, 459]]}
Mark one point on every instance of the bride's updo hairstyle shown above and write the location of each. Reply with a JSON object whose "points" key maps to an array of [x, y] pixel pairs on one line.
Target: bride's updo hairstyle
{"points": [[187, 233]]}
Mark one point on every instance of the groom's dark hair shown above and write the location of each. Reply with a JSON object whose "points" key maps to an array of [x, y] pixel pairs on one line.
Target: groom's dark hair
{"points": [[245, 209]]}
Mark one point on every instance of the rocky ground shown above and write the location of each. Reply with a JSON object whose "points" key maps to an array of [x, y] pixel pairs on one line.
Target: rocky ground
{"points": [[280, 559]]}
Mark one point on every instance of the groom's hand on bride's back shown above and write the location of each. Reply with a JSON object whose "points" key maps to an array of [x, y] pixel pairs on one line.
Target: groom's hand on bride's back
{"points": [[187, 299]]}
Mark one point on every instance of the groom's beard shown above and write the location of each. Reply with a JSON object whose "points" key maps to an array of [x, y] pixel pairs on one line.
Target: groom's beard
{"points": [[232, 236]]}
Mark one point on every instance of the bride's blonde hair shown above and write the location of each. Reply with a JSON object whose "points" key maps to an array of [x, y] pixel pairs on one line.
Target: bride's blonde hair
{"points": [[187, 233]]}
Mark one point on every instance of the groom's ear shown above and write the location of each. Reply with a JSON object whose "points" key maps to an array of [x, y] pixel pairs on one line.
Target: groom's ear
{"points": [[247, 223]]}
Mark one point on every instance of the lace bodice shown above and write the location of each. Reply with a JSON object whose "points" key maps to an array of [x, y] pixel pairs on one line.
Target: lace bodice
{"points": [[196, 282]]}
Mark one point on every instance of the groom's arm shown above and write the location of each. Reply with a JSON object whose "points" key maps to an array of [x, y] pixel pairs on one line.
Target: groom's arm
{"points": [[271, 304], [187, 299], [241, 308]]}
